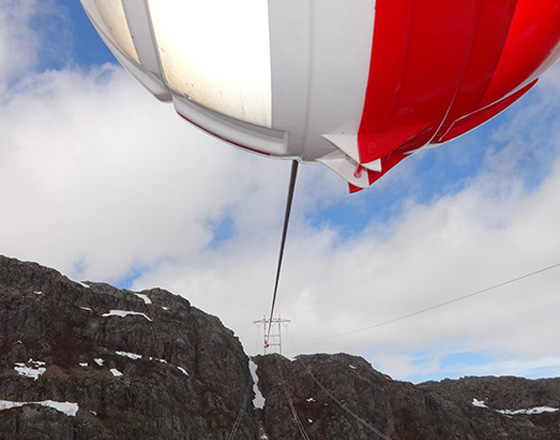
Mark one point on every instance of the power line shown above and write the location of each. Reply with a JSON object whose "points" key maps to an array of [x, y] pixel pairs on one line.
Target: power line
{"points": [[329, 394], [293, 410], [237, 423], [446, 303]]}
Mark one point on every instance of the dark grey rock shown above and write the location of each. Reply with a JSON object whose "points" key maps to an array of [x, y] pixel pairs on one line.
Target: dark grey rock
{"points": [[343, 397], [48, 318]]}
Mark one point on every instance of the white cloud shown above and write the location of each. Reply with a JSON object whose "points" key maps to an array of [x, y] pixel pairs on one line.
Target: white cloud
{"points": [[32, 34], [15, 35], [96, 173]]}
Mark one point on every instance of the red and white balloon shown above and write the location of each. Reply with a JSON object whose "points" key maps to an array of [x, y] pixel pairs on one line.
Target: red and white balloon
{"points": [[356, 85]]}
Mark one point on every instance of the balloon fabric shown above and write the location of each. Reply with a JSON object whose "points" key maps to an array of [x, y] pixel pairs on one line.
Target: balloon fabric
{"points": [[357, 86]]}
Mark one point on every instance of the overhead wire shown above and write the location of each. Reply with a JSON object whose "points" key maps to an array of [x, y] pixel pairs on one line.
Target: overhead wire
{"points": [[390, 321], [445, 303], [237, 422], [289, 200], [293, 410], [359, 419], [356, 417], [400, 318], [290, 197]]}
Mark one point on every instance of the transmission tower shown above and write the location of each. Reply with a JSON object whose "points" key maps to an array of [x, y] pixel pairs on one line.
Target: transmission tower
{"points": [[274, 341]]}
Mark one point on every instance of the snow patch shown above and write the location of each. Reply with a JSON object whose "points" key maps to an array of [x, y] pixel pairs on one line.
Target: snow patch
{"points": [[515, 412], [311, 399], [83, 364], [81, 284], [98, 361], [144, 298], [123, 313], [259, 400], [86, 308], [115, 372], [182, 370], [352, 366], [30, 372], [163, 361], [165, 308], [529, 412], [68, 408], [34, 371], [479, 403], [38, 292], [129, 355], [310, 420]]}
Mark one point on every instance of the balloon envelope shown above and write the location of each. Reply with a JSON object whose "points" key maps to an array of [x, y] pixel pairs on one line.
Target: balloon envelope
{"points": [[355, 85]]}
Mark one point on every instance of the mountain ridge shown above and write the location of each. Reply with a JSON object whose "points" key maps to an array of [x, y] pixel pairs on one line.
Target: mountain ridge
{"points": [[90, 361]]}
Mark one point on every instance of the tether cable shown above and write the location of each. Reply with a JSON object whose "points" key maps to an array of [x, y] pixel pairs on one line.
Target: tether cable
{"points": [[446, 303], [291, 188]]}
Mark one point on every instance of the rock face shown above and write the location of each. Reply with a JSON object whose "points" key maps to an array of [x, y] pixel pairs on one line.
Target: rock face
{"points": [[137, 366], [88, 361], [333, 397]]}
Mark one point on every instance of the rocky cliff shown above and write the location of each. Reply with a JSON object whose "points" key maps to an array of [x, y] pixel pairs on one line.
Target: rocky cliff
{"points": [[111, 364], [88, 361], [342, 397]]}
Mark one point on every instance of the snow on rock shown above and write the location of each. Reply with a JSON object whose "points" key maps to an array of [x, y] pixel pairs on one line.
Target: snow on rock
{"points": [[123, 313], [115, 372], [144, 298], [311, 399], [165, 308], [530, 411], [515, 412], [68, 408], [38, 292], [163, 361], [479, 403], [258, 401], [129, 355], [182, 370], [86, 308], [83, 364], [98, 361], [352, 366], [81, 284], [34, 371]]}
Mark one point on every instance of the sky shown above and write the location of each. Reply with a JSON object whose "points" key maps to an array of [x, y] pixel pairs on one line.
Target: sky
{"points": [[104, 183]]}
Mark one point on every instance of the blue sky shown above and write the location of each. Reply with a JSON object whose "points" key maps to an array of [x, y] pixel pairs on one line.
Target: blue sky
{"points": [[101, 181]]}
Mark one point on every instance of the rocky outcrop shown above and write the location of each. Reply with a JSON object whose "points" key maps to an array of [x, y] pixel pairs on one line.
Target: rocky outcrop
{"points": [[86, 361], [136, 366], [333, 397]]}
